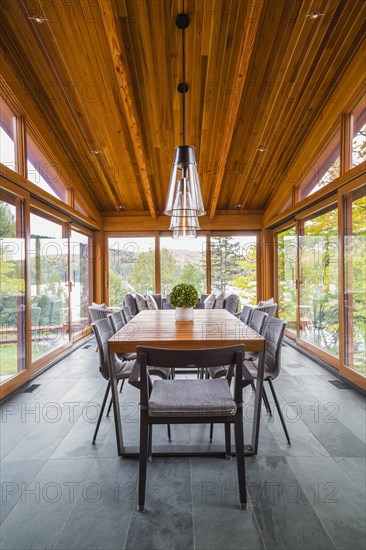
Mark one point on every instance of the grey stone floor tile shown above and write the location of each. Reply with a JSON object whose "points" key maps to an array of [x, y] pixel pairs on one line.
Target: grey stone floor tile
{"points": [[103, 508], [167, 520], [39, 516], [218, 521], [285, 516], [355, 468], [15, 477], [339, 505]]}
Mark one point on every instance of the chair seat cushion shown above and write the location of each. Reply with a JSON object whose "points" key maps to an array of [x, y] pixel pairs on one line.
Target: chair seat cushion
{"points": [[181, 398], [123, 368]]}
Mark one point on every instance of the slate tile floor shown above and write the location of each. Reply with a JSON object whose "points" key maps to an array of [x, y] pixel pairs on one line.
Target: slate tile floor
{"points": [[59, 491]]}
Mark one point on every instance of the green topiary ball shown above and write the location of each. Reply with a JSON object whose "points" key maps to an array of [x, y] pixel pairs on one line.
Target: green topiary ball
{"points": [[183, 295]]}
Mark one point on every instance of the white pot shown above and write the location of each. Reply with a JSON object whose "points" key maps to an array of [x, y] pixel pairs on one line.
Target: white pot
{"points": [[184, 313]]}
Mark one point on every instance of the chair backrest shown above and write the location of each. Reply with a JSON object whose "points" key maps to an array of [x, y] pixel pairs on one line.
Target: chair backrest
{"points": [[246, 314], [259, 321], [231, 303], [97, 313], [116, 320], [195, 358], [103, 332], [126, 314], [270, 309], [274, 338]]}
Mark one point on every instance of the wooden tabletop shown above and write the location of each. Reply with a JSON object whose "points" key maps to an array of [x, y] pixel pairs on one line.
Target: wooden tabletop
{"points": [[211, 328]]}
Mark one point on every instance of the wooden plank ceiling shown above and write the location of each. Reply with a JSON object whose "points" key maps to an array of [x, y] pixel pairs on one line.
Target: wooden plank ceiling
{"points": [[104, 75]]}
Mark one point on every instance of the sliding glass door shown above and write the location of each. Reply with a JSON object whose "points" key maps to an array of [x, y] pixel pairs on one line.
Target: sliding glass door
{"points": [[286, 281], [80, 277], [49, 284], [12, 286]]}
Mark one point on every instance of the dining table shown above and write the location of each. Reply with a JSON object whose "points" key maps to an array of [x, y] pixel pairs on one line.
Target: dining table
{"points": [[211, 328]]}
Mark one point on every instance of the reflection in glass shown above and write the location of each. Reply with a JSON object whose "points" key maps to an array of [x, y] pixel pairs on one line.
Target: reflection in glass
{"points": [[12, 288], [319, 323], [286, 261], [49, 285], [355, 287]]}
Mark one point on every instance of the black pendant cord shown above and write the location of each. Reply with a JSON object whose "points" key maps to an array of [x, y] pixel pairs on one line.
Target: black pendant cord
{"points": [[184, 89]]}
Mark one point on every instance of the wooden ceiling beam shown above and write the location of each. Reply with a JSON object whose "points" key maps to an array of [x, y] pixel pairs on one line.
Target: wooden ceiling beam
{"points": [[125, 90], [252, 22]]}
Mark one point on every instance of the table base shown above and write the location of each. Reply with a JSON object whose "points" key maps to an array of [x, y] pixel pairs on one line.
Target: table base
{"points": [[186, 450]]}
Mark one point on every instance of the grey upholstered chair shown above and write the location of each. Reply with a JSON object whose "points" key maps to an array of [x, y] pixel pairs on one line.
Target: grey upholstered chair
{"points": [[126, 313], [270, 309], [98, 311], [190, 401], [272, 362], [246, 314], [103, 332]]}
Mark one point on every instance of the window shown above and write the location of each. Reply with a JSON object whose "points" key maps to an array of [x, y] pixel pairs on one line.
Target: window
{"points": [[324, 171], [42, 172], [131, 267], [359, 133], [319, 322], [80, 261], [355, 281], [183, 262], [286, 268], [49, 285], [7, 136], [12, 286], [233, 266]]}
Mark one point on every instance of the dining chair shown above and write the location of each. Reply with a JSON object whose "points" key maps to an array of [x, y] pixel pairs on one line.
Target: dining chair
{"points": [[103, 332], [192, 401], [272, 361], [246, 314], [126, 312], [270, 309]]}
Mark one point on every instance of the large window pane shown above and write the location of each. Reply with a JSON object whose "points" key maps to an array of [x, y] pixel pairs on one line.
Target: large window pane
{"points": [[324, 171], [131, 267], [7, 136], [80, 247], [319, 323], [12, 287], [183, 262], [286, 262], [42, 172], [233, 266], [49, 285], [359, 133], [355, 286]]}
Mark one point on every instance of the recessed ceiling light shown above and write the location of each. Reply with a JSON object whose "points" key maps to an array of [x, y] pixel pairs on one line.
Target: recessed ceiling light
{"points": [[261, 149], [95, 151], [121, 207], [38, 18], [315, 14], [237, 206]]}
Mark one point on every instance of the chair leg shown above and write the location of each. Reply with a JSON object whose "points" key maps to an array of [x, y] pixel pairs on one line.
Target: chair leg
{"points": [[169, 432], [101, 411], [279, 410], [149, 449], [266, 402], [227, 441], [240, 458], [144, 444], [211, 432], [121, 388]]}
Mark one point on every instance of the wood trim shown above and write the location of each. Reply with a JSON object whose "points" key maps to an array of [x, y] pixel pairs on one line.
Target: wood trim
{"points": [[318, 196], [44, 208], [342, 215], [208, 264], [346, 142], [42, 361], [12, 384], [323, 355], [353, 376], [157, 265], [316, 208]]}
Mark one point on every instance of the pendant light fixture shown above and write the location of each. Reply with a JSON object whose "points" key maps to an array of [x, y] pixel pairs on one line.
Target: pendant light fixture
{"points": [[184, 201]]}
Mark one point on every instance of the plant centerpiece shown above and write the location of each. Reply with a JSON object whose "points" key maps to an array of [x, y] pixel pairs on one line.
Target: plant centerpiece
{"points": [[183, 297]]}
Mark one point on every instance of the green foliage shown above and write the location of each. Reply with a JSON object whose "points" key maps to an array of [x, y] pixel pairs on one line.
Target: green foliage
{"points": [[224, 261], [184, 295], [7, 221], [142, 277]]}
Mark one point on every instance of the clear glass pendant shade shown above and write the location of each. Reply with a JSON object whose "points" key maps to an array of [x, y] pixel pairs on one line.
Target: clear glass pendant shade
{"points": [[184, 194], [184, 227]]}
